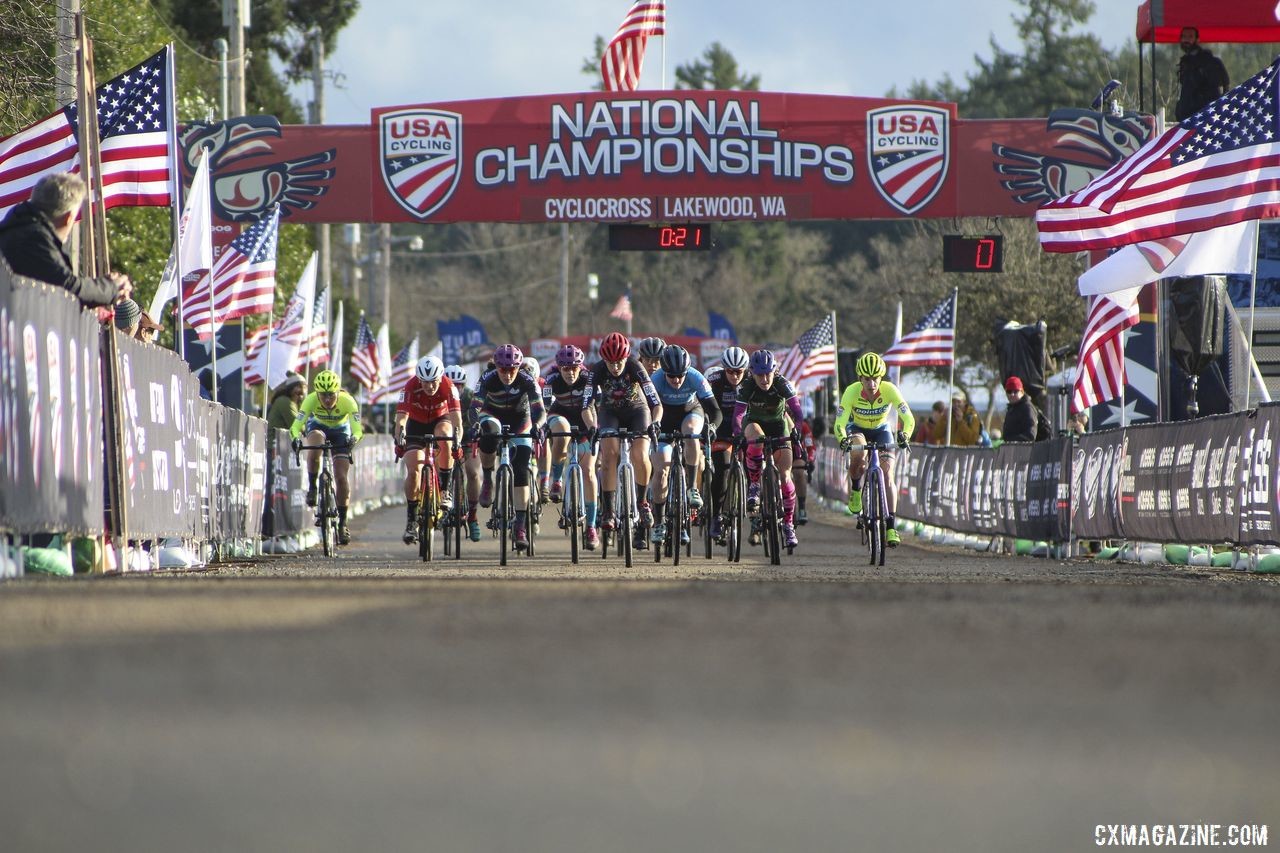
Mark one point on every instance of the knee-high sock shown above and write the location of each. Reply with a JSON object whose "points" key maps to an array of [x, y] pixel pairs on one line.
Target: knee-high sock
{"points": [[789, 502]]}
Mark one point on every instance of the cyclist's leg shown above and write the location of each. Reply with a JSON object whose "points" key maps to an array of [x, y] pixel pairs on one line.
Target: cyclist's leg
{"points": [[490, 429], [755, 454], [692, 427], [444, 458], [857, 464], [888, 461], [313, 436], [608, 464], [521, 458], [587, 462], [639, 422], [558, 449]]}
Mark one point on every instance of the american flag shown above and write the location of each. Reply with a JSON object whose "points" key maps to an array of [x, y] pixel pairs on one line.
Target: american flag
{"points": [[623, 309], [252, 348], [315, 350], [1100, 368], [1215, 168], [134, 125], [931, 342], [402, 367], [620, 65], [244, 279], [364, 356], [285, 336], [812, 356]]}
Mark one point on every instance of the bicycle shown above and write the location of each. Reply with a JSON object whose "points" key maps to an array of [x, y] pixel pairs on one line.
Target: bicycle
{"points": [[455, 519], [503, 514], [770, 514], [873, 520], [430, 513], [733, 506], [573, 510], [626, 514], [677, 513], [701, 517], [327, 497]]}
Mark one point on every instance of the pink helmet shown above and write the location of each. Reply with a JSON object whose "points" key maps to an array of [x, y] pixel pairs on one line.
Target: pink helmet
{"points": [[569, 356], [508, 355]]}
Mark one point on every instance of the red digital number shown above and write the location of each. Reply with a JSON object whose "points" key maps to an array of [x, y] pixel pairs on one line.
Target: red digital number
{"points": [[985, 257], [673, 238]]}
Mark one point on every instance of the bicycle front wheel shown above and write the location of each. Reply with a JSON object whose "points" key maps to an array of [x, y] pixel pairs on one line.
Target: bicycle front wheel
{"points": [[328, 515], [571, 508], [626, 514], [771, 513], [872, 498], [427, 509], [502, 511], [735, 499]]}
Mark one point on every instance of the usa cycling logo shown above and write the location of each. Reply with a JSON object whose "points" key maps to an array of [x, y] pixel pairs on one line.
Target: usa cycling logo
{"points": [[908, 149], [420, 151]]}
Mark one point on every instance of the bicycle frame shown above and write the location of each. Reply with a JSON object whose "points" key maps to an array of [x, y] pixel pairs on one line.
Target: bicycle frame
{"points": [[625, 510], [326, 513], [503, 512], [677, 505], [573, 511], [771, 513]]}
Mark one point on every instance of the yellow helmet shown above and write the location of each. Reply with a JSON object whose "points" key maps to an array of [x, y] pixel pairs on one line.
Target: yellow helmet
{"points": [[871, 364], [326, 382]]}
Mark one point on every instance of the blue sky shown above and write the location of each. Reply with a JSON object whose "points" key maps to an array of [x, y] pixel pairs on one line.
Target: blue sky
{"points": [[397, 52]]}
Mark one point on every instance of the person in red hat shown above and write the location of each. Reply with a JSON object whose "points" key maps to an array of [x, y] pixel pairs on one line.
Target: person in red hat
{"points": [[1022, 418]]}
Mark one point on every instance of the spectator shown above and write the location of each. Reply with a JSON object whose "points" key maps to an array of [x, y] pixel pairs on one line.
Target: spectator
{"points": [[1021, 419], [965, 426], [927, 426], [32, 238], [285, 401], [1202, 76], [205, 376], [128, 317], [1078, 423], [147, 329]]}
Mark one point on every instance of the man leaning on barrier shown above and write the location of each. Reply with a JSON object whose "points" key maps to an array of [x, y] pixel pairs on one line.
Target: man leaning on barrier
{"points": [[32, 238]]}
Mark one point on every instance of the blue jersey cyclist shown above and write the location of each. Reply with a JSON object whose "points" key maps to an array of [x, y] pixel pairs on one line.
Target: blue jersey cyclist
{"points": [[508, 397], [624, 399], [687, 403], [769, 406], [864, 418], [329, 415]]}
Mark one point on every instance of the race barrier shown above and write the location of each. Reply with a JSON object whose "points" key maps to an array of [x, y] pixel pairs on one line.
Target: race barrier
{"points": [[1209, 481], [192, 469]]}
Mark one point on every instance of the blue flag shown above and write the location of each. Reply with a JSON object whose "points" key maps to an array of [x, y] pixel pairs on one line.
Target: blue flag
{"points": [[721, 327], [457, 336], [691, 332]]}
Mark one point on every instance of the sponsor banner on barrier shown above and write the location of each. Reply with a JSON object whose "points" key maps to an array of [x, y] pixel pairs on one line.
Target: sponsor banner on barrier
{"points": [[51, 475], [240, 471]]}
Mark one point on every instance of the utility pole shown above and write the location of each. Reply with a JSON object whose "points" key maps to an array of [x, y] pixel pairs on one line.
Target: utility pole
{"points": [[235, 14], [316, 37], [220, 44], [384, 267], [564, 279]]}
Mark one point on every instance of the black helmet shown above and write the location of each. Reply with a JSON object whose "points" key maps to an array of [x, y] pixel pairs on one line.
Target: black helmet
{"points": [[675, 360], [651, 348]]}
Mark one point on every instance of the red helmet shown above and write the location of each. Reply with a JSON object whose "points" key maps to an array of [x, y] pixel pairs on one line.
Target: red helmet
{"points": [[615, 347]]}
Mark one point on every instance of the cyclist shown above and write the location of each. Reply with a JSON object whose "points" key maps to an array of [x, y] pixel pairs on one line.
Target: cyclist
{"points": [[471, 460], [648, 351], [563, 398], [622, 388], [686, 398], [429, 405], [541, 455], [508, 396], [329, 415], [863, 417], [724, 381], [802, 481], [769, 406]]}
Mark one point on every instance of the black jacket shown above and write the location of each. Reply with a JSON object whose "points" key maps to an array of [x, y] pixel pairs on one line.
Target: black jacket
{"points": [[31, 246], [1020, 420], [1201, 75]]}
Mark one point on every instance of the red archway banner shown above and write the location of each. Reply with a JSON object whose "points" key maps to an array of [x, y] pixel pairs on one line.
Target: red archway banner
{"points": [[1217, 21], [658, 157]]}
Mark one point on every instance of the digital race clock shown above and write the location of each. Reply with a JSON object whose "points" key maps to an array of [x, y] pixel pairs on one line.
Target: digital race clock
{"points": [[680, 237], [972, 254]]}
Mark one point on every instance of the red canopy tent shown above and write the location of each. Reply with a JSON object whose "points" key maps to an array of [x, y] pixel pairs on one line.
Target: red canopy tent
{"points": [[1161, 21]]}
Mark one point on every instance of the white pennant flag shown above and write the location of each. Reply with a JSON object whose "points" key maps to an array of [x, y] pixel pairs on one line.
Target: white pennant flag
{"points": [[193, 250], [384, 360], [290, 332], [1218, 251], [335, 343]]}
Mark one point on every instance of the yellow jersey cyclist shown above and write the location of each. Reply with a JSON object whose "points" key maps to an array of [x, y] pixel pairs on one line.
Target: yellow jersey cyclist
{"points": [[864, 417], [329, 414]]}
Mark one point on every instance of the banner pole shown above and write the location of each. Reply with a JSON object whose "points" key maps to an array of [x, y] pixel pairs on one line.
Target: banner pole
{"points": [[1253, 291], [951, 376]]}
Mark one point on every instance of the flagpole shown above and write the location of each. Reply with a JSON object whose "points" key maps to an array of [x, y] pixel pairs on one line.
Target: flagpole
{"points": [[835, 342], [266, 370], [214, 328], [1253, 289], [951, 376], [897, 336], [175, 192]]}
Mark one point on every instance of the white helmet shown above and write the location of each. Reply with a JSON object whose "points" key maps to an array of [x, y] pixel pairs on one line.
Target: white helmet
{"points": [[531, 366], [735, 358], [457, 374], [429, 368]]}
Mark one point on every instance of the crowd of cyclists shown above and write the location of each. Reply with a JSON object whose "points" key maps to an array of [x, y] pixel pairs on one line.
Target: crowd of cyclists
{"points": [[652, 395]]}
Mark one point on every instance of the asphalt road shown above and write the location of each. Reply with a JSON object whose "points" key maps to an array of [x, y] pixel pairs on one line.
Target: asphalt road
{"points": [[950, 701]]}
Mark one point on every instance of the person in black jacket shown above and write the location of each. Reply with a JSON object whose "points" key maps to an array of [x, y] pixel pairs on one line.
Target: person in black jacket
{"points": [[1021, 418], [32, 238], [1201, 75]]}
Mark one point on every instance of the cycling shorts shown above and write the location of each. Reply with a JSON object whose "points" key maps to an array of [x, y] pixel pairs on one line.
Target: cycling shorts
{"points": [[875, 435], [636, 419], [339, 436], [415, 430], [772, 428]]}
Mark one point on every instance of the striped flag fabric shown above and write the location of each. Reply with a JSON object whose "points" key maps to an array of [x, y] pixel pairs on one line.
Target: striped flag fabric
{"points": [[135, 124], [623, 309], [1100, 367], [402, 367], [1216, 168], [364, 356], [244, 279], [193, 248], [931, 342], [280, 356], [315, 349], [812, 356], [624, 56], [252, 350]]}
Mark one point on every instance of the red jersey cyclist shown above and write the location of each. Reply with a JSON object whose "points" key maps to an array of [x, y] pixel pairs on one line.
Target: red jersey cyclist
{"points": [[429, 405]]}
